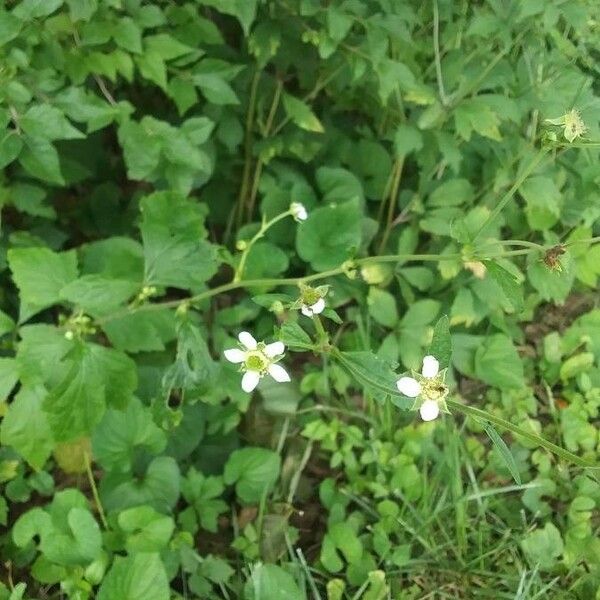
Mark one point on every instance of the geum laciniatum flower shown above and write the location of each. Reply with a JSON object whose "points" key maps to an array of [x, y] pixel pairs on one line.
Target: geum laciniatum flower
{"points": [[298, 211], [257, 359], [427, 388], [312, 300]]}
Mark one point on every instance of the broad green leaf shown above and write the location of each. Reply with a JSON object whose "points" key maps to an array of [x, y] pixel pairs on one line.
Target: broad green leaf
{"points": [[10, 147], [543, 546], [339, 185], [98, 295], [375, 374], [513, 290], [330, 235], [175, 250], [543, 202], [294, 337], [138, 577], [145, 529], [254, 472], [40, 275], [553, 284], [407, 139], [32, 9], [25, 427], [270, 582], [141, 330], [216, 89], [454, 192], [301, 114], [497, 362], [243, 10], [9, 374], [10, 26], [122, 434], [382, 307], [127, 35], [40, 159], [157, 486], [94, 376], [46, 121]]}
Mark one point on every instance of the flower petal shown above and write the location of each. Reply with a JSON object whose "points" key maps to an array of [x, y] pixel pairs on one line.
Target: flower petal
{"points": [[278, 373], [429, 410], [247, 340], [274, 349], [409, 387], [235, 355], [306, 310], [250, 380], [318, 306], [431, 367]]}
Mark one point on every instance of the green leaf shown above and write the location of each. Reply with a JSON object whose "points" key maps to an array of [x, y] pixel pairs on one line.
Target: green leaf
{"points": [[40, 275], [375, 374], [157, 486], [9, 374], [254, 472], [94, 377], [138, 577], [382, 307], [301, 114], [293, 336], [175, 251], [141, 331], [40, 159], [48, 122], [543, 202], [497, 362], [339, 185], [10, 147], [122, 434], [145, 529], [98, 295], [512, 288], [330, 235], [10, 26], [32, 9], [552, 284], [454, 192], [270, 582], [25, 427], [407, 139], [127, 35], [203, 494], [441, 343], [504, 451], [544, 546], [243, 10]]}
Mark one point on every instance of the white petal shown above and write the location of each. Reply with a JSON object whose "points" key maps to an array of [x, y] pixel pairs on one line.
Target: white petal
{"points": [[302, 214], [306, 311], [429, 410], [250, 380], [235, 355], [409, 387], [431, 367], [274, 349], [318, 306], [278, 373], [247, 340]]}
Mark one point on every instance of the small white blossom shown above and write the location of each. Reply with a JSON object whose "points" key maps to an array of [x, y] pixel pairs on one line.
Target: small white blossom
{"points": [[257, 359], [298, 211], [428, 389], [314, 309]]}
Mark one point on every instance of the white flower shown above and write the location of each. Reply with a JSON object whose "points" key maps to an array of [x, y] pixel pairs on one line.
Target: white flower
{"points": [[429, 388], [257, 359], [298, 211], [572, 123], [315, 309]]}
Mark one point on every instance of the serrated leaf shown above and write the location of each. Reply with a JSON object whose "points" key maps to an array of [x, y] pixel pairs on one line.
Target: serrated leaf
{"points": [[40, 275], [441, 343], [512, 289], [301, 114]]}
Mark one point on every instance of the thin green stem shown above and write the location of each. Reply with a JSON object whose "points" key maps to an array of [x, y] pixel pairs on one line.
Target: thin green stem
{"points": [[92, 481], [436, 49], [239, 272], [477, 413]]}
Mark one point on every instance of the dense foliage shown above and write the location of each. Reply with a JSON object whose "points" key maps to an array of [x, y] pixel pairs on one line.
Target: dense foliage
{"points": [[176, 172]]}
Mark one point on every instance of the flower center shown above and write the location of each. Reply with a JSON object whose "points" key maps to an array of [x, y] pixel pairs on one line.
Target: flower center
{"points": [[256, 361], [433, 390], [310, 297]]}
